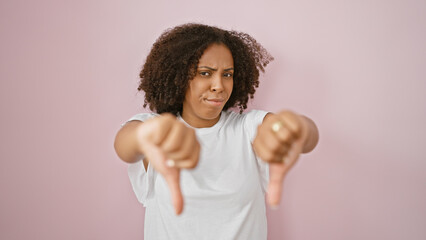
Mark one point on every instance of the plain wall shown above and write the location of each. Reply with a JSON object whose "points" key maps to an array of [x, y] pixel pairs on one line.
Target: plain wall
{"points": [[69, 73]]}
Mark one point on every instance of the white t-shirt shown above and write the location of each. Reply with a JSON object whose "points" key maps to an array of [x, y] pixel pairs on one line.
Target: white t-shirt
{"points": [[224, 196]]}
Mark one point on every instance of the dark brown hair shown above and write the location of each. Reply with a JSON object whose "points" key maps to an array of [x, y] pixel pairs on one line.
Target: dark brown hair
{"points": [[173, 62]]}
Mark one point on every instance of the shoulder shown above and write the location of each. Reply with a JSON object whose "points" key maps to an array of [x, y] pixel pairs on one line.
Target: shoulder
{"points": [[256, 115], [254, 118], [141, 117], [245, 115], [246, 121], [249, 119]]}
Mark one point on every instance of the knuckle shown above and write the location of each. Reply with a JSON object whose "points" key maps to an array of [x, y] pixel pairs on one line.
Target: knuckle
{"points": [[284, 150], [186, 155], [277, 151], [286, 134], [192, 164], [296, 130], [287, 141], [275, 146], [268, 156], [170, 146], [277, 159]]}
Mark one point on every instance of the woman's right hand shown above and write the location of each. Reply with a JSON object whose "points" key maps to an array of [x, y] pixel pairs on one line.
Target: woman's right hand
{"points": [[169, 145]]}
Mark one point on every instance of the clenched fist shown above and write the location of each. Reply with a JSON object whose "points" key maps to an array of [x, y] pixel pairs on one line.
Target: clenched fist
{"points": [[168, 145], [280, 139]]}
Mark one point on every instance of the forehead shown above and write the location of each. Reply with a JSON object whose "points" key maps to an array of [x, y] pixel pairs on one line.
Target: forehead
{"points": [[217, 55]]}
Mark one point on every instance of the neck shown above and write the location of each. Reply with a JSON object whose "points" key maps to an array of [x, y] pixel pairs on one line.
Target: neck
{"points": [[199, 123]]}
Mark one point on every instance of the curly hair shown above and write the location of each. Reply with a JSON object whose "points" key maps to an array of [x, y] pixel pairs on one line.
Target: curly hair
{"points": [[173, 60]]}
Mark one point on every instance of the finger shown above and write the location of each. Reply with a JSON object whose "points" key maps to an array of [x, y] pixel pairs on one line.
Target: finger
{"points": [[192, 160], [186, 148], [277, 127], [293, 154], [191, 146], [158, 128], [174, 139], [195, 156], [189, 163], [283, 135], [264, 152], [276, 177], [173, 182], [171, 175], [185, 164], [277, 173], [270, 140], [155, 156], [292, 122]]}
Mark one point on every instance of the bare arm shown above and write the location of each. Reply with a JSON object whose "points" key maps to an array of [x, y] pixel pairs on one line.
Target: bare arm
{"points": [[280, 139], [166, 143], [127, 145]]}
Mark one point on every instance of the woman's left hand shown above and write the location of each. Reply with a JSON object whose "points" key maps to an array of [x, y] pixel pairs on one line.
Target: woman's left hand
{"points": [[280, 140]]}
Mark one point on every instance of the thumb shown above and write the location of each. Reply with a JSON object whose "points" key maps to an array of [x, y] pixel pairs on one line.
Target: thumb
{"points": [[157, 158], [172, 180], [278, 171], [276, 177]]}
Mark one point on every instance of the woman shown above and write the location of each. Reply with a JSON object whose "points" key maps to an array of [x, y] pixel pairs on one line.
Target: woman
{"points": [[193, 148]]}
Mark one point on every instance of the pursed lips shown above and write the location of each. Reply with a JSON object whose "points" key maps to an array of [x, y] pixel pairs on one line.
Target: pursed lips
{"points": [[215, 101]]}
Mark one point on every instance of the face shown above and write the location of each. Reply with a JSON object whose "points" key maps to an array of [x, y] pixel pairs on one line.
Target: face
{"points": [[211, 87]]}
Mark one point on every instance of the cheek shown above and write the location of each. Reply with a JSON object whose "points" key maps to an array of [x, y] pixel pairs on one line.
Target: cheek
{"points": [[230, 87], [194, 93], [199, 89]]}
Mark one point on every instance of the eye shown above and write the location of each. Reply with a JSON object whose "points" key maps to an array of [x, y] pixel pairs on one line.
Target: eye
{"points": [[204, 74], [228, 74]]}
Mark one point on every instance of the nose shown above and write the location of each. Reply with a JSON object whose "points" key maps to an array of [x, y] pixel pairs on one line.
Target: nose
{"points": [[217, 84]]}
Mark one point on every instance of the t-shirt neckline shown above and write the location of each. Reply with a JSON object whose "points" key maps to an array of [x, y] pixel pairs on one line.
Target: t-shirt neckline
{"points": [[207, 129]]}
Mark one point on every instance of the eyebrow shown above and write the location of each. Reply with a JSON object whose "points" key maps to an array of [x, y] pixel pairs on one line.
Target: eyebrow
{"points": [[214, 69]]}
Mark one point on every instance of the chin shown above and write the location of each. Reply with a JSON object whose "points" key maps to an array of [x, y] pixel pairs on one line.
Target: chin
{"points": [[210, 115]]}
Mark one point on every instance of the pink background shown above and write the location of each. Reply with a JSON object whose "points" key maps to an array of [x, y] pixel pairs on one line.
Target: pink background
{"points": [[69, 72]]}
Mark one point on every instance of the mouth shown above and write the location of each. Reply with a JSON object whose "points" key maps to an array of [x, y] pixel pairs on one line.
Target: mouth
{"points": [[216, 102]]}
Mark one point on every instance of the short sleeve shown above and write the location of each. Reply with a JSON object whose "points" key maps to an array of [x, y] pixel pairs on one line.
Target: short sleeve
{"points": [[142, 181], [141, 117], [253, 119]]}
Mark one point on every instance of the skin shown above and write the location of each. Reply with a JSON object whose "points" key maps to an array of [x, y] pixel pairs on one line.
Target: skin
{"points": [[282, 149], [211, 87], [164, 139]]}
